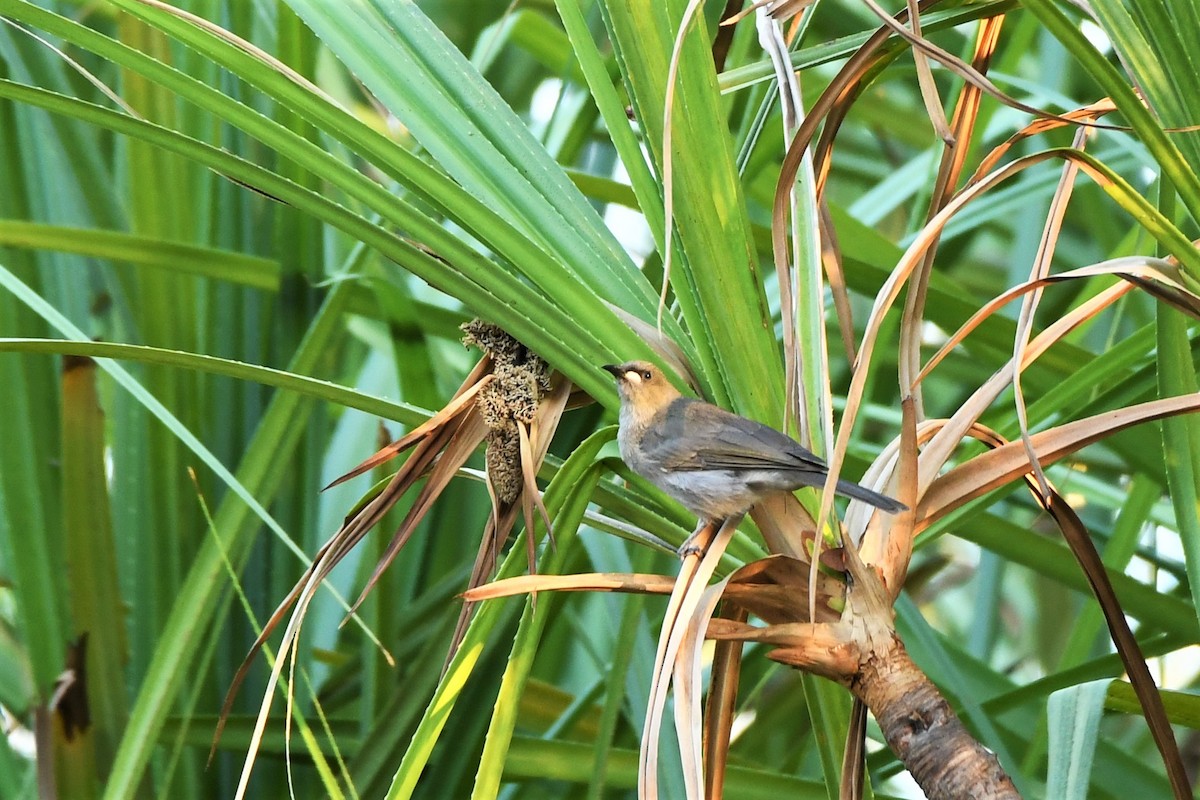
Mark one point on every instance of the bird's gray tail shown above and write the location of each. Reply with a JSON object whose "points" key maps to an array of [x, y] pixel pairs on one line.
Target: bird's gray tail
{"points": [[880, 501]]}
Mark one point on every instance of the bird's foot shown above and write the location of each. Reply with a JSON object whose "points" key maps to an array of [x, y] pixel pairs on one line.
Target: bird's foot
{"points": [[697, 543]]}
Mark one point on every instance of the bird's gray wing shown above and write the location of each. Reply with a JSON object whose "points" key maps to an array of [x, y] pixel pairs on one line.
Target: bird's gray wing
{"points": [[693, 435]]}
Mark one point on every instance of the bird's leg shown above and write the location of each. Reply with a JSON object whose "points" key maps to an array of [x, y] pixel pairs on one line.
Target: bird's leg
{"points": [[697, 543]]}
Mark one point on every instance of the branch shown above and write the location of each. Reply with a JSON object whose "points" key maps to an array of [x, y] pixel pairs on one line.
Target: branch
{"points": [[922, 729]]}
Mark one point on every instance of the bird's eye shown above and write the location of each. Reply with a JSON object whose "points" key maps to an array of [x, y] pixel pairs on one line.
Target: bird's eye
{"points": [[647, 375]]}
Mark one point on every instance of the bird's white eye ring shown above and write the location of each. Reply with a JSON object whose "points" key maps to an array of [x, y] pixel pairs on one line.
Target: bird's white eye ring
{"points": [[647, 375]]}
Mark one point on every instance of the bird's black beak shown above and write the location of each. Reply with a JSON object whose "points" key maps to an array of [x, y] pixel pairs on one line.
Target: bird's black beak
{"points": [[616, 369]]}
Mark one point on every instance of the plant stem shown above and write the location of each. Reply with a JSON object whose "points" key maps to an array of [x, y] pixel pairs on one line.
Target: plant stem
{"points": [[924, 732]]}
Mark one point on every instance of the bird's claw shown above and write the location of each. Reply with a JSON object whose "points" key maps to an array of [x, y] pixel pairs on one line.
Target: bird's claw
{"points": [[697, 543]]}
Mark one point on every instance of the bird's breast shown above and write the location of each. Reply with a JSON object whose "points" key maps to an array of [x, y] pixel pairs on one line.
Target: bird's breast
{"points": [[712, 494]]}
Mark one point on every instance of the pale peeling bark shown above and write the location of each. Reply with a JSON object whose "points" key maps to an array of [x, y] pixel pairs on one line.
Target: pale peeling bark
{"points": [[922, 729]]}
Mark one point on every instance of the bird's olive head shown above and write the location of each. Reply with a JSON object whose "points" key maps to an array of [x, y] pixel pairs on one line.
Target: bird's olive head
{"points": [[643, 386]]}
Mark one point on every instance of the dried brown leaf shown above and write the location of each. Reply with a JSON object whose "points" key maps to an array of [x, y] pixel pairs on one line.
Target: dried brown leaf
{"points": [[463, 442], [768, 589], [688, 688], [831, 260], [929, 92], [1076, 535], [825, 649], [529, 471], [887, 297], [722, 702], [966, 113], [783, 10], [838, 90], [694, 574], [1140, 271], [465, 395], [326, 558], [969, 73], [782, 519], [898, 544], [442, 430], [1081, 545], [1040, 269], [844, 86], [854, 758], [527, 498], [541, 431], [1088, 113], [635, 583], [770, 38], [998, 467], [943, 443]]}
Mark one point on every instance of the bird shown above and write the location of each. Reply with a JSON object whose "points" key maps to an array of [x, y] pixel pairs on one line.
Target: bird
{"points": [[715, 463]]}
